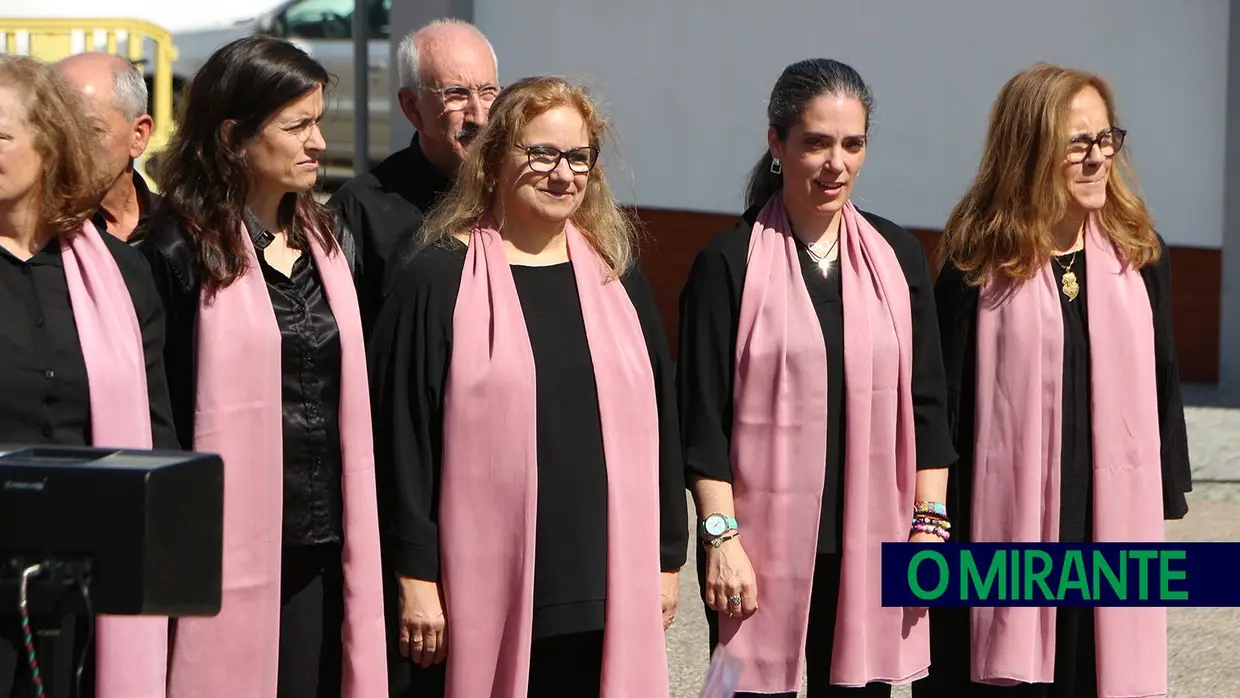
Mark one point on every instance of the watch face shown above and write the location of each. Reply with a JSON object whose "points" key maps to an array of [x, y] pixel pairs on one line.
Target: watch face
{"points": [[716, 525]]}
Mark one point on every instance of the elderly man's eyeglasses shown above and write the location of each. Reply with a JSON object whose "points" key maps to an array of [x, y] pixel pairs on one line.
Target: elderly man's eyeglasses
{"points": [[456, 97], [1109, 142], [544, 158]]}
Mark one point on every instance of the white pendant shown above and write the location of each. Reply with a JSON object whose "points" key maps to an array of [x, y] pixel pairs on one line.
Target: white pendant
{"points": [[824, 266]]}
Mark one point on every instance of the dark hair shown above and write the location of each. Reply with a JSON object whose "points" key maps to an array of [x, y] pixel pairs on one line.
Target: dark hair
{"points": [[799, 84], [204, 177]]}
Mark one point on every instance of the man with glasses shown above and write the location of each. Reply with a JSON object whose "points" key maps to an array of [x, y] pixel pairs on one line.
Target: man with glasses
{"points": [[449, 75]]}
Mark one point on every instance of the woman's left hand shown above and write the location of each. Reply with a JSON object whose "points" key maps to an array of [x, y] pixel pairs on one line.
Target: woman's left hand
{"points": [[669, 583]]}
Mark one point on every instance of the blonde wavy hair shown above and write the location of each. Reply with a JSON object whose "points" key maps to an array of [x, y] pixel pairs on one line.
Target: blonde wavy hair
{"points": [[612, 233], [1005, 223], [72, 184]]}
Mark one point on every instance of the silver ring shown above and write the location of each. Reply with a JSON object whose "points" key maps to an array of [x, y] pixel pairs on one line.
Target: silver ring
{"points": [[734, 600]]}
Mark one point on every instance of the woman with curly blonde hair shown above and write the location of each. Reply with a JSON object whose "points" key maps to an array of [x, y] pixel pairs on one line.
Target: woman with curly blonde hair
{"points": [[1063, 390], [526, 423], [81, 338]]}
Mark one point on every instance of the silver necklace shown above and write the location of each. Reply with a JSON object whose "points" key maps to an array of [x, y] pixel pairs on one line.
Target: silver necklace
{"points": [[824, 260]]}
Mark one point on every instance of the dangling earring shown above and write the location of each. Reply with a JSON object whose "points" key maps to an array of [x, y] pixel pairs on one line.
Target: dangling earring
{"points": [[776, 166]]}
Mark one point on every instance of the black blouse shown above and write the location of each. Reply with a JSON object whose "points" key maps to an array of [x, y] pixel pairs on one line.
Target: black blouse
{"points": [[411, 351], [46, 398], [310, 367], [709, 312], [957, 305]]}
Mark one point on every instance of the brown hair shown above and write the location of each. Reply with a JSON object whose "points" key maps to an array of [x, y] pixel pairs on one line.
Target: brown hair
{"points": [[1005, 222], [72, 185], [204, 177], [613, 234]]}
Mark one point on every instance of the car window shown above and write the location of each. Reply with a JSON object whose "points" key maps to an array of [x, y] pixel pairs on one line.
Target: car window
{"points": [[333, 19]]}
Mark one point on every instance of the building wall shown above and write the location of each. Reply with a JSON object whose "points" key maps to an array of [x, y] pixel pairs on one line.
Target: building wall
{"points": [[686, 84]]}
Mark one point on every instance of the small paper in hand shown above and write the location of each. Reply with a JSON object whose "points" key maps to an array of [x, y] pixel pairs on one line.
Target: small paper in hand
{"points": [[722, 676]]}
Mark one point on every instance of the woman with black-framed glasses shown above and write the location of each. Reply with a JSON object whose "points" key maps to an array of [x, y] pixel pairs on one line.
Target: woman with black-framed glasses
{"points": [[526, 423], [1063, 389]]}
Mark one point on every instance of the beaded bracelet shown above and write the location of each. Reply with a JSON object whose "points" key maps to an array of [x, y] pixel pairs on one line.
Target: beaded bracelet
{"points": [[935, 530], [930, 521], [934, 508]]}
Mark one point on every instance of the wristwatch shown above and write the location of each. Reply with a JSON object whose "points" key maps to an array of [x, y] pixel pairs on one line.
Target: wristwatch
{"points": [[716, 525]]}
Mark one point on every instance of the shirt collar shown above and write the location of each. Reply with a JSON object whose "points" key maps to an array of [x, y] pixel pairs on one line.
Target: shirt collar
{"points": [[146, 206], [259, 235]]}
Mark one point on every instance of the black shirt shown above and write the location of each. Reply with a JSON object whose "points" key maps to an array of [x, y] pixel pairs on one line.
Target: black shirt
{"points": [[382, 210], [45, 394], [148, 202], [310, 368], [413, 340], [709, 314], [957, 306]]}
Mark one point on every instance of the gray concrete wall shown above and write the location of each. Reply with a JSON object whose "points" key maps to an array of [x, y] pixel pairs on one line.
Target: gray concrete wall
{"points": [[1229, 351], [407, 16]]}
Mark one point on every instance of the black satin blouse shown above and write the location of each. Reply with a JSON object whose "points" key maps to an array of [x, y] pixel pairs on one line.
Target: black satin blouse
{"points": [[310, 380]]}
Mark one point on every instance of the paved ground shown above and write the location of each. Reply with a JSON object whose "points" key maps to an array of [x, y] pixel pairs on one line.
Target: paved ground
{"points": [[1204, 659]]}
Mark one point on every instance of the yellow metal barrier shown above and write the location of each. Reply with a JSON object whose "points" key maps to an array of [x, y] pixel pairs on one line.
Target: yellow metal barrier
{"points": [[53, 39]]}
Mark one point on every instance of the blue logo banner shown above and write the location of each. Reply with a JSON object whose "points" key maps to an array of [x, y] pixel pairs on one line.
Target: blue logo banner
{"points": [[1061, 574]]}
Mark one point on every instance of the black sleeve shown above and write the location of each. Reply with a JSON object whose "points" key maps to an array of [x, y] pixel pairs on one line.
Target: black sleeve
{"points": [[707, 335], [1177, 475], [409, 357], [673, 509], [350, 219], [929, 384], [178, 300], [956, 305], [151, 320]]}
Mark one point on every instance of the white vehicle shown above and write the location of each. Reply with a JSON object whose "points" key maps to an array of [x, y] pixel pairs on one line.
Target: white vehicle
{"points": [[324, 29]]}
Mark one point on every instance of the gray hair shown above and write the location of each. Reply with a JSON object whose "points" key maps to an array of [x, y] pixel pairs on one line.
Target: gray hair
{"points": [[409, 64], [130, 92]]}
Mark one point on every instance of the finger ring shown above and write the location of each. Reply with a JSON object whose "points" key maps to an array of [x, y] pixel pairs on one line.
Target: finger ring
{"points": [[734, 600]]}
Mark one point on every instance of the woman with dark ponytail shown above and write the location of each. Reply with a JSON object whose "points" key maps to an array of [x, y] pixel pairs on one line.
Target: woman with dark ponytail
{"points": [[813, 407]]}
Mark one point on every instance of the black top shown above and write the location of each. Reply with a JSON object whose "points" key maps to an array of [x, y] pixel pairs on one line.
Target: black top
{"points": [[310, 367], [410, 356], [46, 397], [709, 313], [957, 305], [381, 210], [148, 202]]}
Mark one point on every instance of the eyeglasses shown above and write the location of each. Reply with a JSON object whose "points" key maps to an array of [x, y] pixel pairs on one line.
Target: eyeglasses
{"points": [[456, 97], [1109, 143], [544, 158]]}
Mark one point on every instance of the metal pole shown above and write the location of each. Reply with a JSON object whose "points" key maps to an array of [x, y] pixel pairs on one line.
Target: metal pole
{"points": [[361, 86]]}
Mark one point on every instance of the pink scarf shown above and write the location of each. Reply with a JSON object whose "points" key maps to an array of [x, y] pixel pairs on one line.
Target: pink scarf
{"points": [[130, 650], [779, 455], [239, 415], [1018, 452], [488, 505]]}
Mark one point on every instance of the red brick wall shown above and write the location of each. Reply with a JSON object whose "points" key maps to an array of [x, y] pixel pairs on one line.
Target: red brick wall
{"points": [[1196, 282]]}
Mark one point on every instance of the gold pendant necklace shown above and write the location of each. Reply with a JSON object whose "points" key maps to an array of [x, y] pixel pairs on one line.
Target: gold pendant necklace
{"points": [[1070, 287]]}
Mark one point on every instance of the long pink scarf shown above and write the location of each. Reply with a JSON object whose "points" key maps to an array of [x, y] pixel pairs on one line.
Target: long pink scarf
{"points": [[130, 651], [488, 505], [239, 415], [779, 454], [1016, 493]]}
